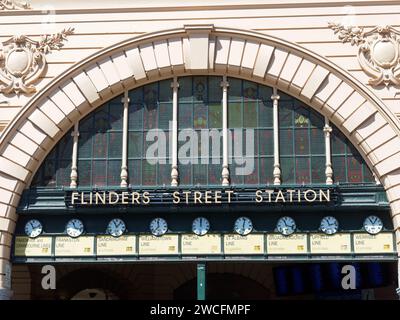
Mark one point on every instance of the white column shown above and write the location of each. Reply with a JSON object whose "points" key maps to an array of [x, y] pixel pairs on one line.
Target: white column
{"points": [[328, 155], [174, 167], [225, 160], [124, 164], [277, 166], [74, 167]]}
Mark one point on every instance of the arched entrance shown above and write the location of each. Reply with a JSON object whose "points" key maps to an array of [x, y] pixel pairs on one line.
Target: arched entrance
{"points": [[194, 49]]}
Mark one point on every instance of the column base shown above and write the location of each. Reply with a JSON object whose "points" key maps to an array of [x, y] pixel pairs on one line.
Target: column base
{"points": [[5, 294]]}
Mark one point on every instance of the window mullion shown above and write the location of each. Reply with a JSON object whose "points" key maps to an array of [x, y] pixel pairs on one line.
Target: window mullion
{"points": [[328, 155], [225, 165], [74, 166], [174, 167], [124, 163], [277, 167]]}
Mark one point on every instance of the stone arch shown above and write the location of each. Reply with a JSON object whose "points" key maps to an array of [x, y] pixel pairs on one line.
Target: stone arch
{"points": [[194, 49]]}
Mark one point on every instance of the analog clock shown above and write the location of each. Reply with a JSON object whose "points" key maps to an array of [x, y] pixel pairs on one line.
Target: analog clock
{"points": [[33, 228], [74, 228], [243, 226], [373, 225], [286, 226], [329, 225], [158, 226], [200, 226], [116, 227]]}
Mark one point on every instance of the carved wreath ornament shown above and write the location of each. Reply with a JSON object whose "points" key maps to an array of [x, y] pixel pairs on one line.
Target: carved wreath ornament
{"points": [[13, 5], [23, 61], [378, 51]]}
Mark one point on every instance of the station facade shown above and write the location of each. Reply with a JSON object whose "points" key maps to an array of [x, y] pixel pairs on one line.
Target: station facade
{"points": [[199, 150]]}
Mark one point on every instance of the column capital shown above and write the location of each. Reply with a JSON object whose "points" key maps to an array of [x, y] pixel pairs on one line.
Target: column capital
{"points": [[327, 128], [175, 83], [275, 97], [224, 83], [125, 99]]}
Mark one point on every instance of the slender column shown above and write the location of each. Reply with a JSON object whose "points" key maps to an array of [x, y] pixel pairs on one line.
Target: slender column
{"points": [[328, 155], [225, 160], [201, 281], [174, 167], [277, 166], [124, 164], [74, 167]]}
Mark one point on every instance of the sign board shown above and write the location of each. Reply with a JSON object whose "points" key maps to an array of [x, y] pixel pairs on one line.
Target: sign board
{"points": [[112, 246], [367, 243], [293, 244], [32, 247], [164, 245], [81, 246], [244, 245], [330, 244], [207, 244]]}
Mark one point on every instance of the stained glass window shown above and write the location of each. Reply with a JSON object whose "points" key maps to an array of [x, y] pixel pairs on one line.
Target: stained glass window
{"points": [[301, 142], [150, 114], [348, 165], [55, 171], [200, 130], [100, 146], [251, 133]]}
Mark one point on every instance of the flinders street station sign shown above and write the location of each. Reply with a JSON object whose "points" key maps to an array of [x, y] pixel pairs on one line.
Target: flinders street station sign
{"points": [[200, 197]]}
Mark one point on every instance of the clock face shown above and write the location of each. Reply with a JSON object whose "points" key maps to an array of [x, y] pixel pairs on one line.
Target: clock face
{"points": [[286, 226], [158, 226], [373, 225], [329, 225], [33, 228], [74, 228], [243, 226], [200, 226], [116, 227]]}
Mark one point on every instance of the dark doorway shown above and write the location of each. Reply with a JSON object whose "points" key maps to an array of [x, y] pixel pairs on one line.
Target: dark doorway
{"points": [[225, 286]]}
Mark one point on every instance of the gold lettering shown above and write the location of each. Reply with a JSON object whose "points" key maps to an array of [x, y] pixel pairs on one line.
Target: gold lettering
{"points": [[280, 197], [306, 195], [186, 193], [110, 197], [326, 195], [290, 191], [269, 193], [146, 198], [259, 197], [124, 197], [98, 197], [83, 198], [135, 197], [229, 192], [197, 196], [74, 197], [177, 199], [207, 197], [218, 196]]}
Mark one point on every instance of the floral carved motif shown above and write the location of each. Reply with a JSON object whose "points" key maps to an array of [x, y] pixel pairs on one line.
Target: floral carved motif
{"points": [[13, 5], [23, 60], [378, 51]]}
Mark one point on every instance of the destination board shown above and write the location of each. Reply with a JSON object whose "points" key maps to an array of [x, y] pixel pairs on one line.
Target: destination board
{"points": [[293, 244], [33, 247], [244, 245], [164, 245], [207, 244], [367, 243], [112, 246], [330, 244], [81, 246]]}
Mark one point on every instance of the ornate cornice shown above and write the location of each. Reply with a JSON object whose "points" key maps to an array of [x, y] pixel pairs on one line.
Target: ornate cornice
{"points": [[23, 61], [378, 51], [14, 5]]}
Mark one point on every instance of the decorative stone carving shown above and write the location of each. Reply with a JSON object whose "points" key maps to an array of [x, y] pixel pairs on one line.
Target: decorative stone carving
{"points": [[378, 51], [23, 61], [13, 5]]}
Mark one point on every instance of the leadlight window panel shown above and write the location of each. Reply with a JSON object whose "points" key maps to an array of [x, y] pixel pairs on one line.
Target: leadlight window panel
{"points": [[318, 169], [303, 170], [150, 114], [288, 170], [266, 165], [55, 171], [348, 165], [202, 113]]}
